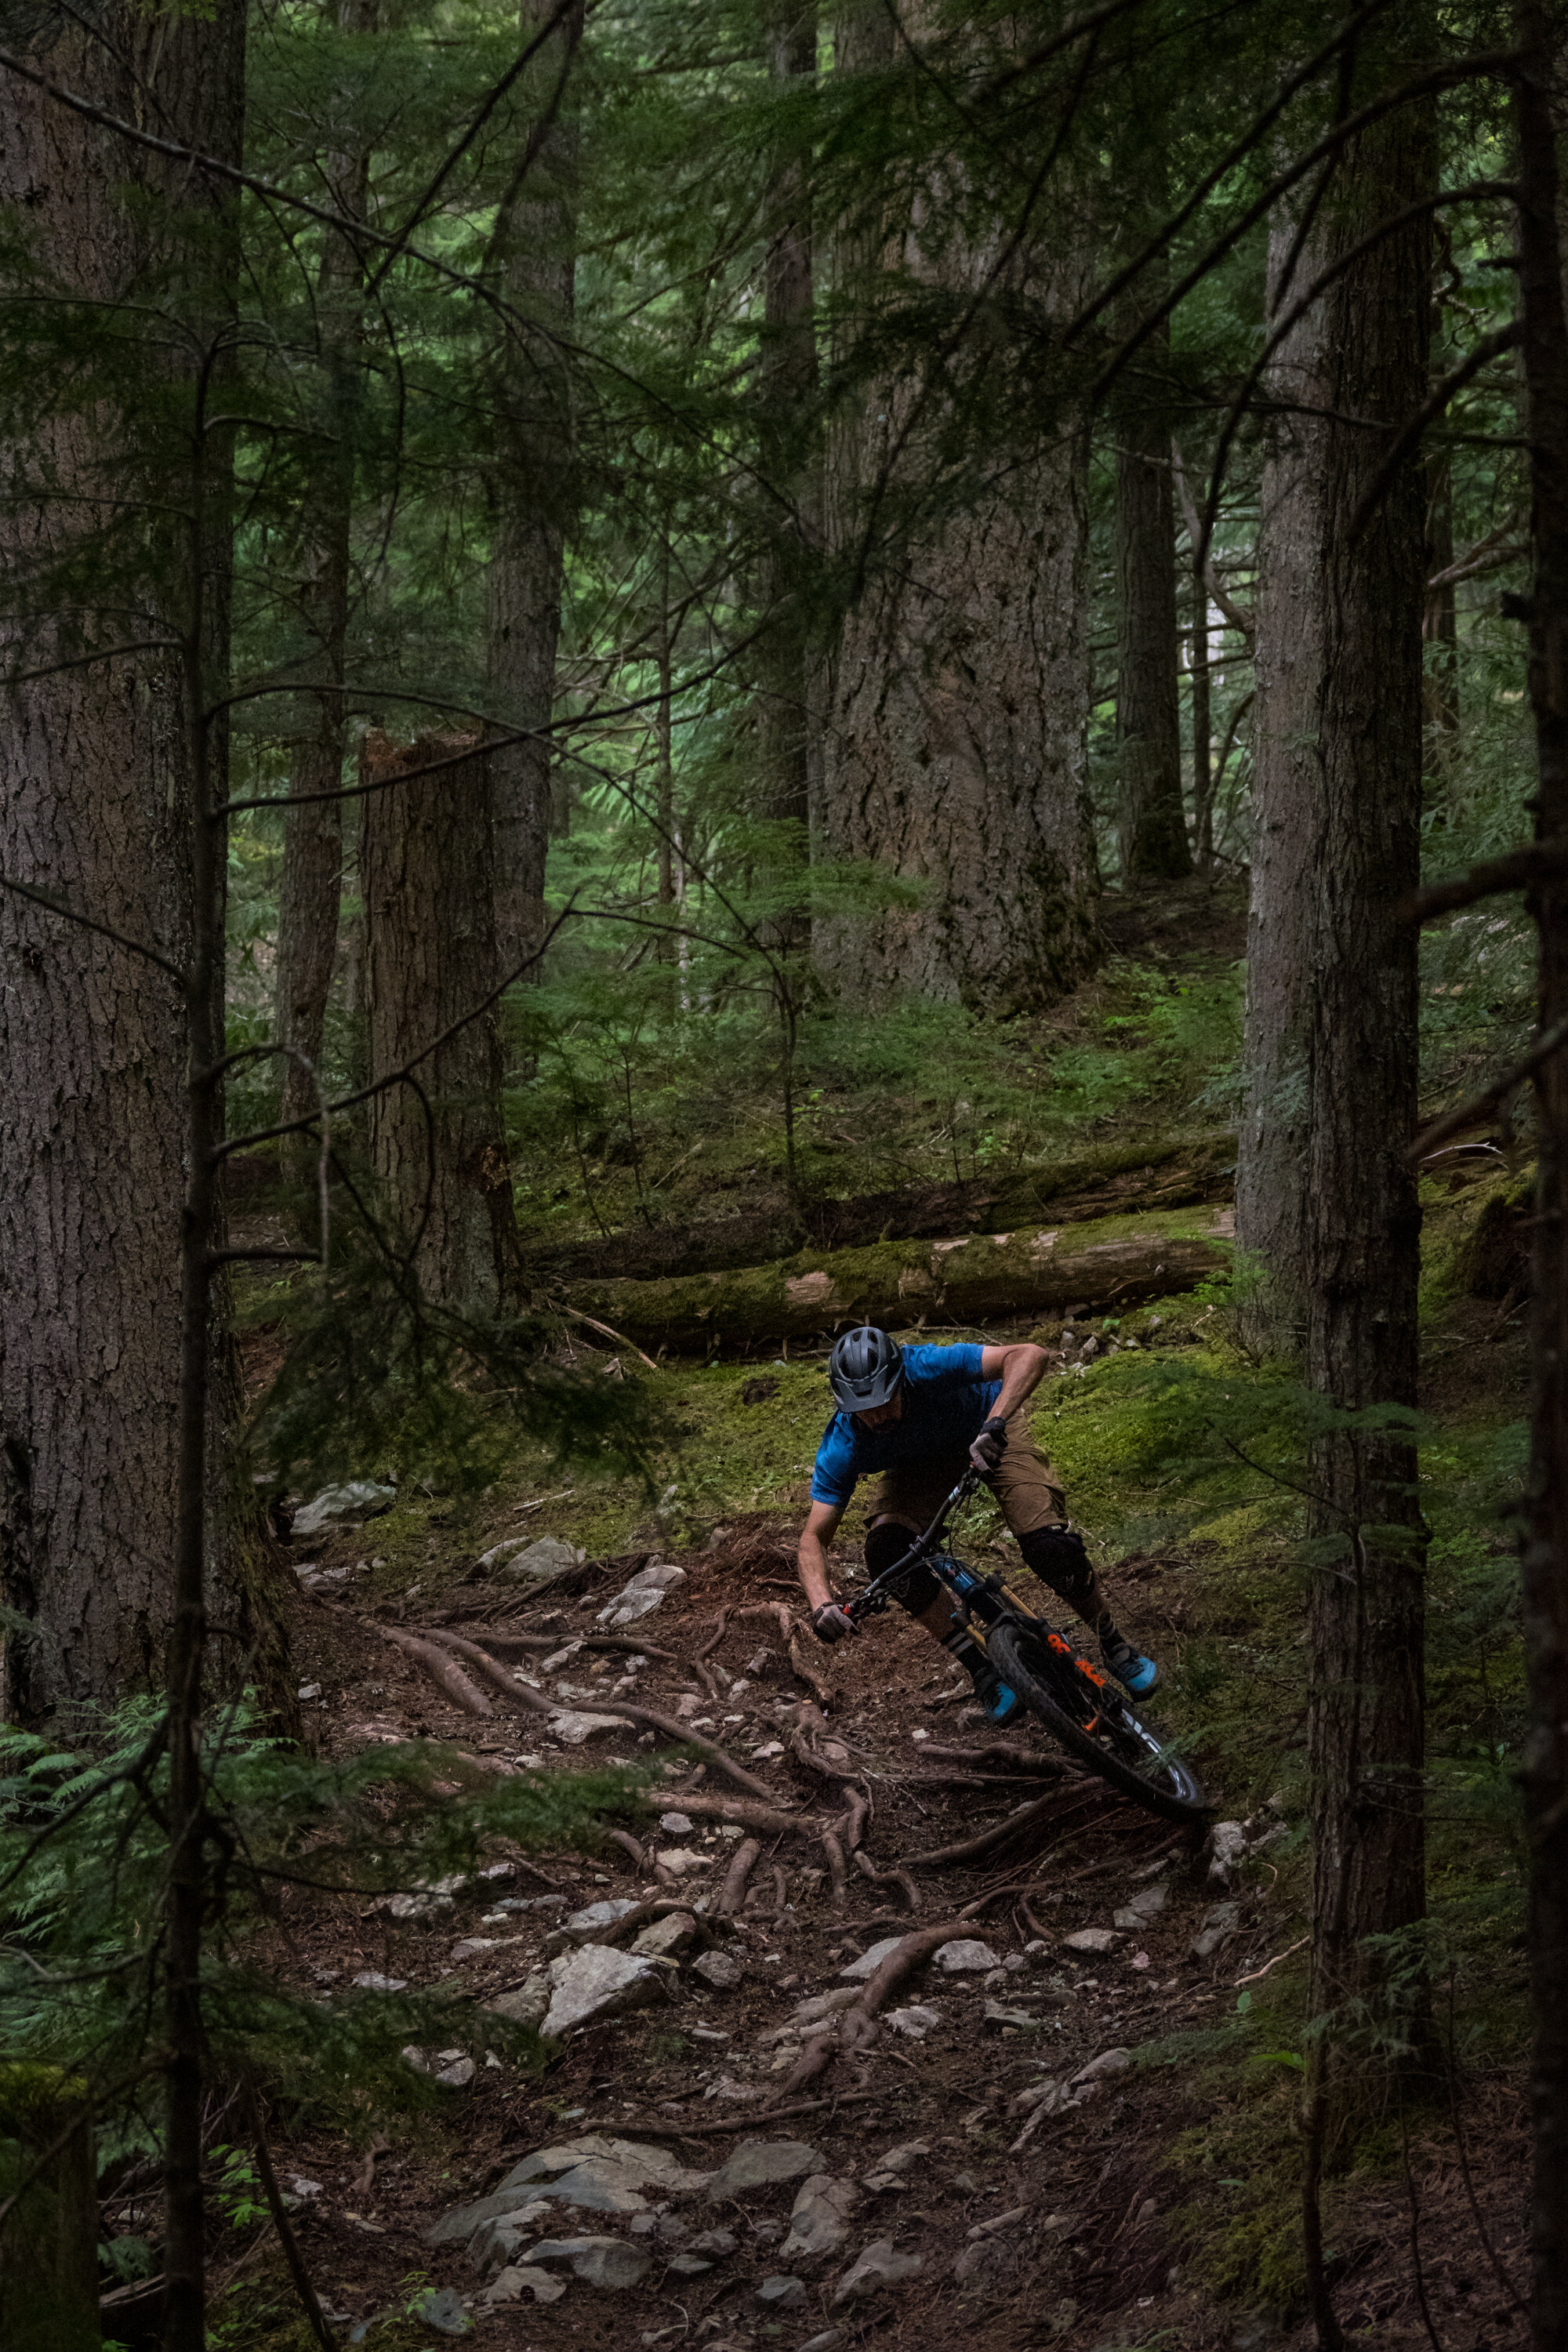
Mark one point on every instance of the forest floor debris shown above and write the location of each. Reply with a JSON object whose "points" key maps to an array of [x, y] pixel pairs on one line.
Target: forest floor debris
{"points": [[989, 2163]]}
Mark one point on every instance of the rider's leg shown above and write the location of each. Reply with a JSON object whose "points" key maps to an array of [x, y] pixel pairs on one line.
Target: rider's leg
{"points": [[1035, 1507], [886, 1540]]}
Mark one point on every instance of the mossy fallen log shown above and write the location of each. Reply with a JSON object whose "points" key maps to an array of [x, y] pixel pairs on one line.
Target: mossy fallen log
{"points": [[1105, 1266], [1174, 1172]]}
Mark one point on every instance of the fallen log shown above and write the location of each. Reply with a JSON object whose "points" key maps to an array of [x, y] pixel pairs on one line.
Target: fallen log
{"points": [[1115, 1264], [1163, 1172]]}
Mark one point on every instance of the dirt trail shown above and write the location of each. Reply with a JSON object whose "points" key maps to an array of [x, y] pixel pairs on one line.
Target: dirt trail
{"points": [[1060, 2237]]}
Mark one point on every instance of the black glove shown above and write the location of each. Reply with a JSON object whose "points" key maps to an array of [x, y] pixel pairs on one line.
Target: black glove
{"points": [[830, 1624], [988, 1447]]}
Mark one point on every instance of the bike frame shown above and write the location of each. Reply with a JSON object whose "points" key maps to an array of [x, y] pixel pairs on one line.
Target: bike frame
{"points": [[982, 1601]]}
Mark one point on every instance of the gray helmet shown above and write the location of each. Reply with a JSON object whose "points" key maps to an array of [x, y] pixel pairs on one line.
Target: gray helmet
{"points": [[864, 1368]]}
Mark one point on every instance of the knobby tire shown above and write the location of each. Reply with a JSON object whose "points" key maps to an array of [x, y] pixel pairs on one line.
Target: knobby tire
{"points": [[1174, 1791]]}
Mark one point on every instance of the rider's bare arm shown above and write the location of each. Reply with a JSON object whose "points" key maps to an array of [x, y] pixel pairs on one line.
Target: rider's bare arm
{"points": [[1020, 1369], [816, 1540]]}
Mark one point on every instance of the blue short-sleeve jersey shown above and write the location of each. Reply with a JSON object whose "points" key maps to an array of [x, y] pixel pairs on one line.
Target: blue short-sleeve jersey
{"points": [[945, 1404]]}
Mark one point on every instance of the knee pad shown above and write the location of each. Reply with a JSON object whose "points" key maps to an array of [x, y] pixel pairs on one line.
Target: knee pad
{"points": [[888, 1542], [1058, 1557]]}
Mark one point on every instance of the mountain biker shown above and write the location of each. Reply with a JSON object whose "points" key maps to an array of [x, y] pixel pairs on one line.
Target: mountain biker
{"points": [[921, 1416]]}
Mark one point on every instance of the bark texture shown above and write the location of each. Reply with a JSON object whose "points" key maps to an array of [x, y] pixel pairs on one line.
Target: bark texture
{"points": [[953, 747], [531, 485], [311, 884], [95, 806], [1339, 686], [788, 384], [1270, 1173], [437, 1141], [1544, 1562], [1151, 820]]}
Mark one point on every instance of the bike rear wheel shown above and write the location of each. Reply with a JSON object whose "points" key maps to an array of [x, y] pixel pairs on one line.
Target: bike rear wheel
{"points": [[1097, 1725]]}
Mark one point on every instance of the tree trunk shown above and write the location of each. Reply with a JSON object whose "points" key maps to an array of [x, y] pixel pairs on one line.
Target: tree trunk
{"points": [[1272, 1150], [788, 386], [953, 744], [531, 489], [426, 861], [1151, 823], [1440, 625], [48, 2273], [1544, 1559], [1202, 724], [1355, 677], [314, 836], [95, 806]]}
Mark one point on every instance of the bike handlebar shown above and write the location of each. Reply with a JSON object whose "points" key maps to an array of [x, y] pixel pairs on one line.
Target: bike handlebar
{"points": [[921, 1549]]}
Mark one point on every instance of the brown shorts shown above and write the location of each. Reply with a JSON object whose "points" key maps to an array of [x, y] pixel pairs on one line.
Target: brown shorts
{"points": [[1024, 1484]]}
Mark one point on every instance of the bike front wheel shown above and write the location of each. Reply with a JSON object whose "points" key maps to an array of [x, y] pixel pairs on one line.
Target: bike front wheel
{"points": [[1095, 1723]]}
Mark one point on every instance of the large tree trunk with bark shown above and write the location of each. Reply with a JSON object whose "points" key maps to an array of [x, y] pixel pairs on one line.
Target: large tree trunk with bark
{"points": [[1271, 1161], [954, 740], [1342, 756], [1151, 820], [1544, 1561], [437, 1139], [311, 884], [788, 380], [532, 484], [96, 781]]}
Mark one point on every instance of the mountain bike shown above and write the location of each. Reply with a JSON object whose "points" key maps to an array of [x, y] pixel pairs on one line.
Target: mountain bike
{"points": [[1078, 1702]]}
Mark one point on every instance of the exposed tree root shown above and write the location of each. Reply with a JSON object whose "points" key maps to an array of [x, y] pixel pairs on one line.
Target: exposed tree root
{"points": [[768, 1819], [824, 1693], [520, 1694], [732, 1892], [444, 1672], [973, 1849], [1000, 1751], [856, 2028], [647, 1864], [835, 1870], [711, 1641], [503, 1644], [673, 1730], [895, 1877], [702, 1673]]}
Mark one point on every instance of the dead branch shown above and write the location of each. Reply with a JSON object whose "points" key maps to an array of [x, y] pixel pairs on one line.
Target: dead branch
{"points": [[604, 1332], [899, 1878], [324, 2333], [732, 1892]]}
